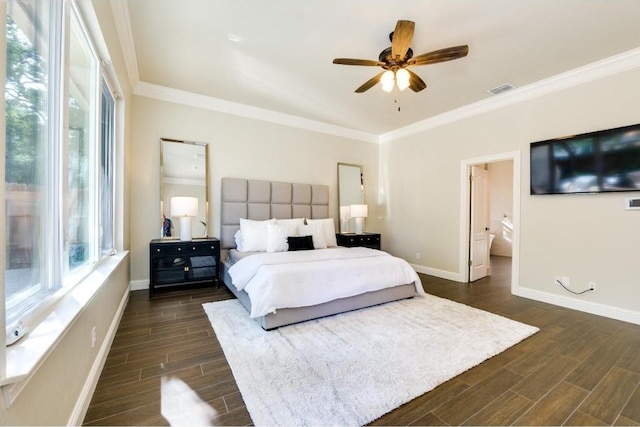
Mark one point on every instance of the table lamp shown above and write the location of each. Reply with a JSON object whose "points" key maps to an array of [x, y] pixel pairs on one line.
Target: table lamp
{"points": [[359, 212], [184, 208]]}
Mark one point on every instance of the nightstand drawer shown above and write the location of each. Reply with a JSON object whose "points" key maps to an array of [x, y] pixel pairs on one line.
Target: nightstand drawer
{"points": [[168, 249], [369, 240], [200, 248]]}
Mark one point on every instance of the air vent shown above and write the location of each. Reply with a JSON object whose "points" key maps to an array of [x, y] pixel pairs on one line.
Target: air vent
{"points": [[502, 88], [632, 203]]}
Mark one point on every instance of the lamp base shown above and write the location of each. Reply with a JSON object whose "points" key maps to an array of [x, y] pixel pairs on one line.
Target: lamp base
{"points": [[185, 228], [359, 225]]}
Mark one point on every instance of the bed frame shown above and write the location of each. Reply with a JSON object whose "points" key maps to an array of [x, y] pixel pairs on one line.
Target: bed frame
{"points": [[260, 200]]}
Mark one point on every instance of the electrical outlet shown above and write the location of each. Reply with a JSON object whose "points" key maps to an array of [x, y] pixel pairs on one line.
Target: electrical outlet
{"points": [[566, 281], [557, 280], [592, 286], [417, 255], [94, 337]]}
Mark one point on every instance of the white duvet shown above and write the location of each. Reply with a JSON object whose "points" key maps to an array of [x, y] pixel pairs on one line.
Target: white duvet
{"points": [[303, 278]]}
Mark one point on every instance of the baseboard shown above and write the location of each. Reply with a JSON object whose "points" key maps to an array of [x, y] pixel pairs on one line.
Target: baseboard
{"points": [[82, 404], [611, 312], [138, 285], [443, 274]]}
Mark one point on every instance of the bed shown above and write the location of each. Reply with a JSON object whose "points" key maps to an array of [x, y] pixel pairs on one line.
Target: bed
{"points": [[334, 279]]}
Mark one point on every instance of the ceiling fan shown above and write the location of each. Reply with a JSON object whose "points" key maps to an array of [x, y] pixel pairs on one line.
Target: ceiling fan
{"points": [[395, 60]]}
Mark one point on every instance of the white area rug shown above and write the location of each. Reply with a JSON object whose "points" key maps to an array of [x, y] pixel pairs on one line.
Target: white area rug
{"points": [[352, 368]]}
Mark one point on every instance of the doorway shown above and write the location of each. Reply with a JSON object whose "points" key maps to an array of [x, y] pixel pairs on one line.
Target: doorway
{"points": [[503, 222]]}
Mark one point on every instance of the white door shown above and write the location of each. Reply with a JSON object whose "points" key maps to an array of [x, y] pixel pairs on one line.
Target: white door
{"points": [[479, 232]]}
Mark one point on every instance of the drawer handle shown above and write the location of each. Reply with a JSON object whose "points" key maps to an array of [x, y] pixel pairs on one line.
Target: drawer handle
{"points": [[158, 249], [179, 249], [194, 248]]}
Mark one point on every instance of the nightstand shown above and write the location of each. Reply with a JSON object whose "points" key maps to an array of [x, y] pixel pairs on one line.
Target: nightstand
{"points": [[369, 240], [175, 263]]}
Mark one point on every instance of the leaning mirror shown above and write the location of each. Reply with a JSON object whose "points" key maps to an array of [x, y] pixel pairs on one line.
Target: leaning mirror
{"points": [[350, 192], [184, 174]]}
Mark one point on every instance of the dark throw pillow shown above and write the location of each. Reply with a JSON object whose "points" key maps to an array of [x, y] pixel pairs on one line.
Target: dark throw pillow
{"points": [[302, 243]]}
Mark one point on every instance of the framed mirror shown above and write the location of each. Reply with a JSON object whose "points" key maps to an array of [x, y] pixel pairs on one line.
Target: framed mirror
{"points": [[184, 173], [350, 192]]}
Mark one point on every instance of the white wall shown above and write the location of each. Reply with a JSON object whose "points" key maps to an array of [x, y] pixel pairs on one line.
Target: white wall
{"points": [[60, 383], [501, 201], [239, 148], [585, 237]]}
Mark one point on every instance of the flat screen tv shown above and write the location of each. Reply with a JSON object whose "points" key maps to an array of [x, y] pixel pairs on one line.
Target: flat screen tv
{"points": [[595, 162]]}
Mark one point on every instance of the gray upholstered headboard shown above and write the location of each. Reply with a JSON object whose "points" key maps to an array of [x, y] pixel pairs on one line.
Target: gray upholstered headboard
{"points": [[260, 200]]}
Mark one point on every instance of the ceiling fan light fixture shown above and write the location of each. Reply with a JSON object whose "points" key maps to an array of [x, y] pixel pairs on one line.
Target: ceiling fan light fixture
{"points": [[387, 80], [402, 79], [396, 59]]}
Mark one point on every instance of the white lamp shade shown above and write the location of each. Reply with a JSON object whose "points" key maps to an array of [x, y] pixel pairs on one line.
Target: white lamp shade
{"points": [[184, 206], [359, 211], [387, 80], [402, 79], [345, 211]]}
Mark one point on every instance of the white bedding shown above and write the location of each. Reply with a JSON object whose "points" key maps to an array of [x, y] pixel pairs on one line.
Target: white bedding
{"points": [[304, 278]]}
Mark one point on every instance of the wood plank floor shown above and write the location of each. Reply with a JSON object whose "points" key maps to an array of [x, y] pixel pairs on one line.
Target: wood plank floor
{"points": [[580, 369]]}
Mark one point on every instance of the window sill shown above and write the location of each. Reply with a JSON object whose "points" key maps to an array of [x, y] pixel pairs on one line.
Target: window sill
{"points": [[25, 356]]}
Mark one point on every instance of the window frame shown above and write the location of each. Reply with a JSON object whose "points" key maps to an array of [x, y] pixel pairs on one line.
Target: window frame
{"points": [[14, 378]]}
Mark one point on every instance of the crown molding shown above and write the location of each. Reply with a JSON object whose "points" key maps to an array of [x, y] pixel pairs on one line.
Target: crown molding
{"points": [[123, 28], [596, 70], [590, 72], [177, 96]]}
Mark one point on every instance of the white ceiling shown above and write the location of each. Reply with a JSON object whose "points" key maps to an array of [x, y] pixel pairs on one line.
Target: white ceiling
{"points": [[283, 61]]}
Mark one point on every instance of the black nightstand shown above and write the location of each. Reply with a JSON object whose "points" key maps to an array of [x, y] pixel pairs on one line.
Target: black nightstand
{"points": [[176, 262], [369, 240]]}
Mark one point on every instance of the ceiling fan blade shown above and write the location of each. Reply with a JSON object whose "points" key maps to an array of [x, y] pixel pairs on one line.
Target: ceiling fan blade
{"points": [[369, 83], [441, 55], [415, 82], [402, 36], [350, 61]]}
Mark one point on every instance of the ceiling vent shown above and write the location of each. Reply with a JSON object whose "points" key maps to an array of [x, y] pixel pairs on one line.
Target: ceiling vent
{"points": [[502, 88]]}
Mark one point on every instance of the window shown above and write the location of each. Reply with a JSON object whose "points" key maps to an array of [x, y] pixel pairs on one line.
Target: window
{"points": [[107, 169], [59, 174], [26, 169], [80, 152]]}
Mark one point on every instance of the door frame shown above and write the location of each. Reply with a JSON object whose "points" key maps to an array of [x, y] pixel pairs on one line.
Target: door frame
{"points": [[465, 215]]}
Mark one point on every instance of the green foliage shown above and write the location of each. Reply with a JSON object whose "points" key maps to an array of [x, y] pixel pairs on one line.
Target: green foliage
{"points": [[26, 106]]}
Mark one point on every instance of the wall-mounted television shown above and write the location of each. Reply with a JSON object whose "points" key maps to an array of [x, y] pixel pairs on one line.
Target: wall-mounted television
{"points": [[595, 162]]}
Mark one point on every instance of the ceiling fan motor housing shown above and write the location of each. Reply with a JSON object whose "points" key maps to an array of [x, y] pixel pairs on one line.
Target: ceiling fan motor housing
{"points": [[386, 57]]}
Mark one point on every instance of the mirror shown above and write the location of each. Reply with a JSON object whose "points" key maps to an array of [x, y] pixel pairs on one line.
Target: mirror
{"points": [[183, 173], [350, 192]]}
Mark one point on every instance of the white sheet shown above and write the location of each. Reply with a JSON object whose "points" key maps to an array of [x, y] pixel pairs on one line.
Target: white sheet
{"points": [[305, 278]]}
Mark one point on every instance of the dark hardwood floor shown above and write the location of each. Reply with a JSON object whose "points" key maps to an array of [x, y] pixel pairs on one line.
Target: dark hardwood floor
{"points": [[580, 369]]}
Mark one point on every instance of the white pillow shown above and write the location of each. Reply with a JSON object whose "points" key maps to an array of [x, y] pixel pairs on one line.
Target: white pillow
{"points": [[317, 233], [238, 238], [329, 230], [277, 237], [293, 222], [254, 235], [291, 225]]}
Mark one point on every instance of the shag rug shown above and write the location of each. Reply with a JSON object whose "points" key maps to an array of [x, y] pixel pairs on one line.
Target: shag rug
{"points": [[352, 368]]}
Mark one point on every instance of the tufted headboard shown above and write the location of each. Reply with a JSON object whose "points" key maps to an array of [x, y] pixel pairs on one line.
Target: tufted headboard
{"points": [[260, 200]]}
